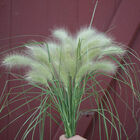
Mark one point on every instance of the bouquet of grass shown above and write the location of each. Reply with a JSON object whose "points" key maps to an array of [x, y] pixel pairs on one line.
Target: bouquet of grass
{"points": [[63, 67]]}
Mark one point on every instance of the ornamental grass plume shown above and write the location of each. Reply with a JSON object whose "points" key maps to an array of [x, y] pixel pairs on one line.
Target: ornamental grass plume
{"points": [[62, 65], [72, 57]]}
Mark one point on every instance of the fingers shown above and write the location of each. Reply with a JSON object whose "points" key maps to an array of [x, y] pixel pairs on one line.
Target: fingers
{"points": [[62, 137], [77, 137]]}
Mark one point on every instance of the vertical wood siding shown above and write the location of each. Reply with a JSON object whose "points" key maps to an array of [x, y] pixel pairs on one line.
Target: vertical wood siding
{"points": [[22, 21]]}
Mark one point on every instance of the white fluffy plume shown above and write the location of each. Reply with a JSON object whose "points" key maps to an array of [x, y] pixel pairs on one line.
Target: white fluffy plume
{"points": [[74, 56]]}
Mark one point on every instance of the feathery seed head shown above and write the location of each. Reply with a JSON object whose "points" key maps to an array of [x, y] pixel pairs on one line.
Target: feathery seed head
{"points": [[73, 56], [112, 50], [104, 66], [33, 76], [38, 53], [85, 33], [17, 60], [60, 34]]}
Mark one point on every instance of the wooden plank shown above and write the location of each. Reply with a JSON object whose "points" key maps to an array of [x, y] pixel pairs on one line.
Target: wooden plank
{"points": [[5, 18], [126, 21], [62, 14]]}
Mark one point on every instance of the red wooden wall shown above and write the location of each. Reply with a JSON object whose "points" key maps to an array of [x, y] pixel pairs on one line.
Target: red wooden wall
{"points": [[22, 21]]}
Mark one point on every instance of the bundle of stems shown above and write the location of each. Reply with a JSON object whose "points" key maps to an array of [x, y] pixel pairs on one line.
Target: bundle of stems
{"points": [[62, 69]]}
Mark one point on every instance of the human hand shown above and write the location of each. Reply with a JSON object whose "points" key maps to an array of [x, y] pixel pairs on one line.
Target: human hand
{"points": [[76, 137]]}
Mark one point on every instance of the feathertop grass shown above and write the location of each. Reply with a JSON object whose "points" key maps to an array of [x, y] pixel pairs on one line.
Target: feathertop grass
{"points": [[71, 56], [64, 66]]}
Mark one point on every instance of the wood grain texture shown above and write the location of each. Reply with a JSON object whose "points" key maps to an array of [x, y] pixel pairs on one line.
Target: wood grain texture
{"points": [[5, 32], [23, 21]]}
